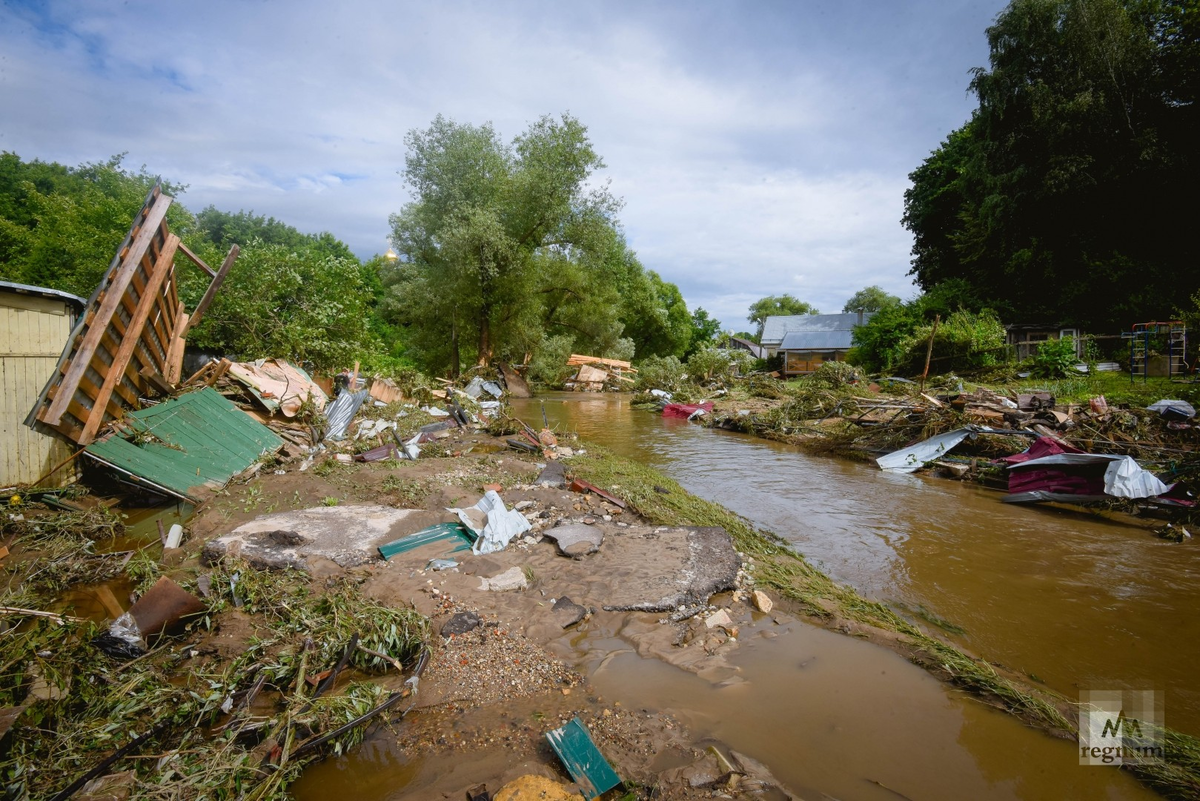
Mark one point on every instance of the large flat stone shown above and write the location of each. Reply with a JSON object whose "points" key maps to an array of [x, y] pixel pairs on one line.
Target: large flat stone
{"points": [[660, 569], [576, 539], [345, 535]]}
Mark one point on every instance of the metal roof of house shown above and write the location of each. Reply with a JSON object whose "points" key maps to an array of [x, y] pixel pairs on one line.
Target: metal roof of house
{"points": [[756, 350], [775, 328], [191, 442], [816, 340], [44, 292]]}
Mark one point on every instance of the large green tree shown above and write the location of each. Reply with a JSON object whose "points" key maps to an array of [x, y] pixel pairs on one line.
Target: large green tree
{"points": [[1063, 199], [486, 218], [509, 250], [869, 299], [777, 305]]}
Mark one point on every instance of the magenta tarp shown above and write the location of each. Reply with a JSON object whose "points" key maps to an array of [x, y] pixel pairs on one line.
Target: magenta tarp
{"points": [[1044, 446], [685, 410]]}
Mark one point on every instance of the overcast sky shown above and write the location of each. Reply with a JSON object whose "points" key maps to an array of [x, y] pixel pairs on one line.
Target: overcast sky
{"points": [[760, 147]]}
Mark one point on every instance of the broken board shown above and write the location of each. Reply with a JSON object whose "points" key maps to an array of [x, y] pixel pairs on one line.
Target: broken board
{"points": [[583, 759]]}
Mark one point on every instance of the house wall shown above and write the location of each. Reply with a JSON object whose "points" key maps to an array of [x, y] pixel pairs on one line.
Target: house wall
{"points": [[796, 362], [33, 331]]}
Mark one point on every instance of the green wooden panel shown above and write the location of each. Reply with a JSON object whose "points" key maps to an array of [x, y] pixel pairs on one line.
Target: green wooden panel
{"points": [[583, 759], [452, 532], [196, 440]]}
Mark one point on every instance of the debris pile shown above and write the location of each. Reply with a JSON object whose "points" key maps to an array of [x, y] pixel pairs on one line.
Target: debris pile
{"points": [[596, 374]]}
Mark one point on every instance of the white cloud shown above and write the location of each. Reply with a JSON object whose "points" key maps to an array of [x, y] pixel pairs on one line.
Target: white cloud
{"points": [[753, 144]]}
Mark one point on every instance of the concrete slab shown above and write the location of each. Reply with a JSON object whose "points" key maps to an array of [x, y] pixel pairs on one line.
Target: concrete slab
{"points": [[660, 569], [348, 536]]}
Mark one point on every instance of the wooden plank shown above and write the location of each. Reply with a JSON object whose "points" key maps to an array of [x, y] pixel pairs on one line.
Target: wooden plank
{"points": [[175, 354], [222, 369], [129, 343], [204, 368], [211, 292], [112, 297], [196, 260]]}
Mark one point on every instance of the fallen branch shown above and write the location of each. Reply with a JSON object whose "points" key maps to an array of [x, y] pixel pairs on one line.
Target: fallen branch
{"points": [[57, 618], [316, 742]]}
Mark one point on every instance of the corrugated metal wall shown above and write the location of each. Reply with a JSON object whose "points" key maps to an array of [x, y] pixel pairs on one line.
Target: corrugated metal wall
{"points": [[33, 331]]}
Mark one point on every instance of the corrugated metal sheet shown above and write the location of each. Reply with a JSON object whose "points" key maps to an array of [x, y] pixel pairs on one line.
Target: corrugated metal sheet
{"points": [[583, 760], [775, 328], [195, 441], [817, 340], [34, 326]]}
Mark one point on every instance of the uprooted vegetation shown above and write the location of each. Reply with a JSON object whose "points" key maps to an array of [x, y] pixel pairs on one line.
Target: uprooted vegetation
{"points": [[227, 708]]}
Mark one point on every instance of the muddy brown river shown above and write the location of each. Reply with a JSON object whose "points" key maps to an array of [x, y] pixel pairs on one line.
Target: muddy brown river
{"points": [[1072, 599]]}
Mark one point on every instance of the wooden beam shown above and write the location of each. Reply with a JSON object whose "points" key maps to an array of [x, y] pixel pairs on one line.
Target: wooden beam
{"points": [[196, 260], [155, 381], [112, 298], [116, 370], [175, 354], [218, 279]]}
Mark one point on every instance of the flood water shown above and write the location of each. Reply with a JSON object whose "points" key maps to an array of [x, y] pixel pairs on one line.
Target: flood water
{"points": [[1071, 598]]}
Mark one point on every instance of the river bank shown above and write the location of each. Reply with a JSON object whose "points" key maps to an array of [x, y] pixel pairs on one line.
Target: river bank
{"points": [[484, 720]]}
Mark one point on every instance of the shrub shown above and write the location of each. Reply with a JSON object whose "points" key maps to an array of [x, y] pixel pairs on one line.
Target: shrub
{"points": [[1055, 358], [963, 341], [708, 364], [660, 372]]}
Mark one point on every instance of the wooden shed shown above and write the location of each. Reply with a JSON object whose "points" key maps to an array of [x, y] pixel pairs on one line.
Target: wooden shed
{"points": [[35, 324]]}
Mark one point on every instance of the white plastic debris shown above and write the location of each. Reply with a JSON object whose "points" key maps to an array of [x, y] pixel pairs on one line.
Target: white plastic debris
{"points": [[1125, 478], [174, 536], [494, 523], [373, 428], [1182, 409], [435, 412]]}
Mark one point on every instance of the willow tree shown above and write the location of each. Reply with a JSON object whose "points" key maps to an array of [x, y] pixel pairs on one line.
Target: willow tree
{"points": [[486, 221]]}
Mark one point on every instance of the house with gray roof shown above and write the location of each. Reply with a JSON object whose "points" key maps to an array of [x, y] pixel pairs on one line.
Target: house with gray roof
{"points": [[809, 340]]}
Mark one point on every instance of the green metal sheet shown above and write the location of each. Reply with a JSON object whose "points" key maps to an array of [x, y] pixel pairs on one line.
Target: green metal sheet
{"points": [[188, 443], [455, 533], [583, 759]]}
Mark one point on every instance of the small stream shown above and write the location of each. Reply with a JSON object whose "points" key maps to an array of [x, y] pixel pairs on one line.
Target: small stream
{"points": [[1072, 598]]}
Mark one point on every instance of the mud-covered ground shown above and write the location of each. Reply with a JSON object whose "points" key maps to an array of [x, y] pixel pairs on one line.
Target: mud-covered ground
{"points": [[494, 691]]}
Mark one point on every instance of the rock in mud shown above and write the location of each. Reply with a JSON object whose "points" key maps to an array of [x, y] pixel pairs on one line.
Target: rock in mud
{"points": [[762, 602], [534, 788], [576, 541], [567, 613], [511, 579], [461, 624], [553, 476], [719, 618], [345, 535]]}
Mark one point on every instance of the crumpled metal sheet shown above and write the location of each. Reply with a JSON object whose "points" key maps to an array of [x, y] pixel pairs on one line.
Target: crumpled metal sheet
{"points": [[912, 458], [339, 413]]}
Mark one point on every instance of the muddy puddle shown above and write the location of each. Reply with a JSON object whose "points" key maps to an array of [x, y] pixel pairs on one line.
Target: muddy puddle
{"points": [[831, 716], [1070, 598]]}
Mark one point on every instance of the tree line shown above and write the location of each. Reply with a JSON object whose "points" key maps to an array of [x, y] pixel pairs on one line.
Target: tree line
{"points": [[506, 252], [1068, 196]]}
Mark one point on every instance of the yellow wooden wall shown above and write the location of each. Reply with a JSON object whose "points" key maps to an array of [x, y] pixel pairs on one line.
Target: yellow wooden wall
{"points": [[33, 331]]}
